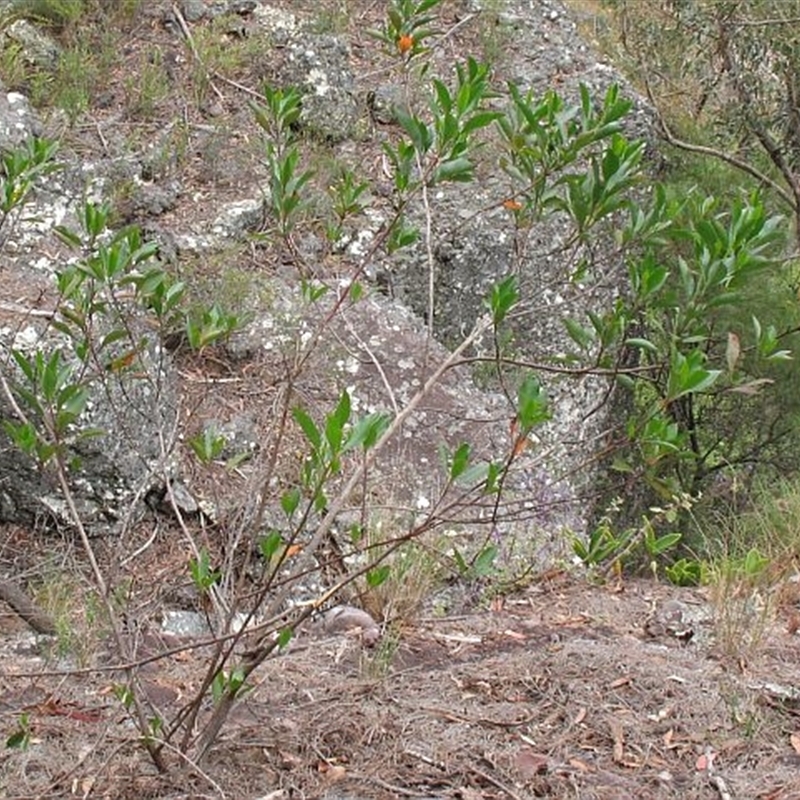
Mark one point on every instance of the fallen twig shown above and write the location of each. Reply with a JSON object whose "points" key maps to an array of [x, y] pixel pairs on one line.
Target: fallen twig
{"points": [[498, 784], [714, 779], [187, 34], [26, 608], [16, 308]]}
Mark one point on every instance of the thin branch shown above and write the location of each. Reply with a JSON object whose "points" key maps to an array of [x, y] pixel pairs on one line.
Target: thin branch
{"points": [[15, 597], [763, 23], [190, 41], [378, 366], [16, 308], [113, 618], [397, 423], [496, 782], [263, 647], [429, 257], [722, 156], [575, 372]]}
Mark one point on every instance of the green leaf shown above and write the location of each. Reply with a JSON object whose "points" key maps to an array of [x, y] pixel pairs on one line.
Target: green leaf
{"points": [[644, 344], [320, 498], [367, 431], [685, 572], [425, 5], [582, 336], [757, 329], [375, 577], [475, 474], [700, 381], [49, 377], [457, 169], [207, 445], [237, 459], [664, 543], [44, 451], [67, 236], [19, 739], [626, 381], [483, 564], [503, 297], [493, 472], [654, 279], [200, 569], [419, 133], [688, 374], [480, 120], [72, 400], [401, 235], [532, 405], [236, 680], [356, 291], [113, 336], [23, 435], [461, 563], [580, 550], [755, 563], [780, 355], [290, 500], [218, 686], [335, 422], [25, 364], [268, 545], [443, 99], [459, 461], [356, 532], [619, 464], [308, 426], [124, 694], [312, 291], [284, 637]]}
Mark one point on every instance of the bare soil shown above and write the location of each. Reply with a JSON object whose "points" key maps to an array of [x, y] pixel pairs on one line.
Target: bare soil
{"points": [[563, 690]]}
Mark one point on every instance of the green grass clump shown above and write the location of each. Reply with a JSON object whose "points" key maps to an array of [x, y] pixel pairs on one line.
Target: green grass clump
{"points": [[752, 562], [57, 13]]}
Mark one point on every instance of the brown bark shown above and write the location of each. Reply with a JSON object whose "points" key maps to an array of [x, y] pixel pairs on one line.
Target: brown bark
{"points": [[26, 608]]}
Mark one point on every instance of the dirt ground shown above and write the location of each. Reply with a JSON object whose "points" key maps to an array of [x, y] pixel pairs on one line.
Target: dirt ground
{"points": [[564, 690]]}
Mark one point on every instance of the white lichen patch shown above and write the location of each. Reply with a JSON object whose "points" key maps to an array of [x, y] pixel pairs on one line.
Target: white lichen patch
{"points": [[349, 365], [275, 19], [236, 217], [360, 244], [318, 80], [26, 339]]}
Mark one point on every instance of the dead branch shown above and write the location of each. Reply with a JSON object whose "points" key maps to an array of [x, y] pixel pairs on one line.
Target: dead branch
{"points": [[39, 620]]}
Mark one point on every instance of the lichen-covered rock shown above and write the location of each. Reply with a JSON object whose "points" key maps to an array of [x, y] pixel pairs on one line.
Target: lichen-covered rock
{"points": [[131, 411], [197, 10], [131, 415], [379, 349], [37, 47], [319, 65], [18, 122], [476, 244]]}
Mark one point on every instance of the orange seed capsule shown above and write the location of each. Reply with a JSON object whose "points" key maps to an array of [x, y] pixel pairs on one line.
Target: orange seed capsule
{"points": [[405, 43]]}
